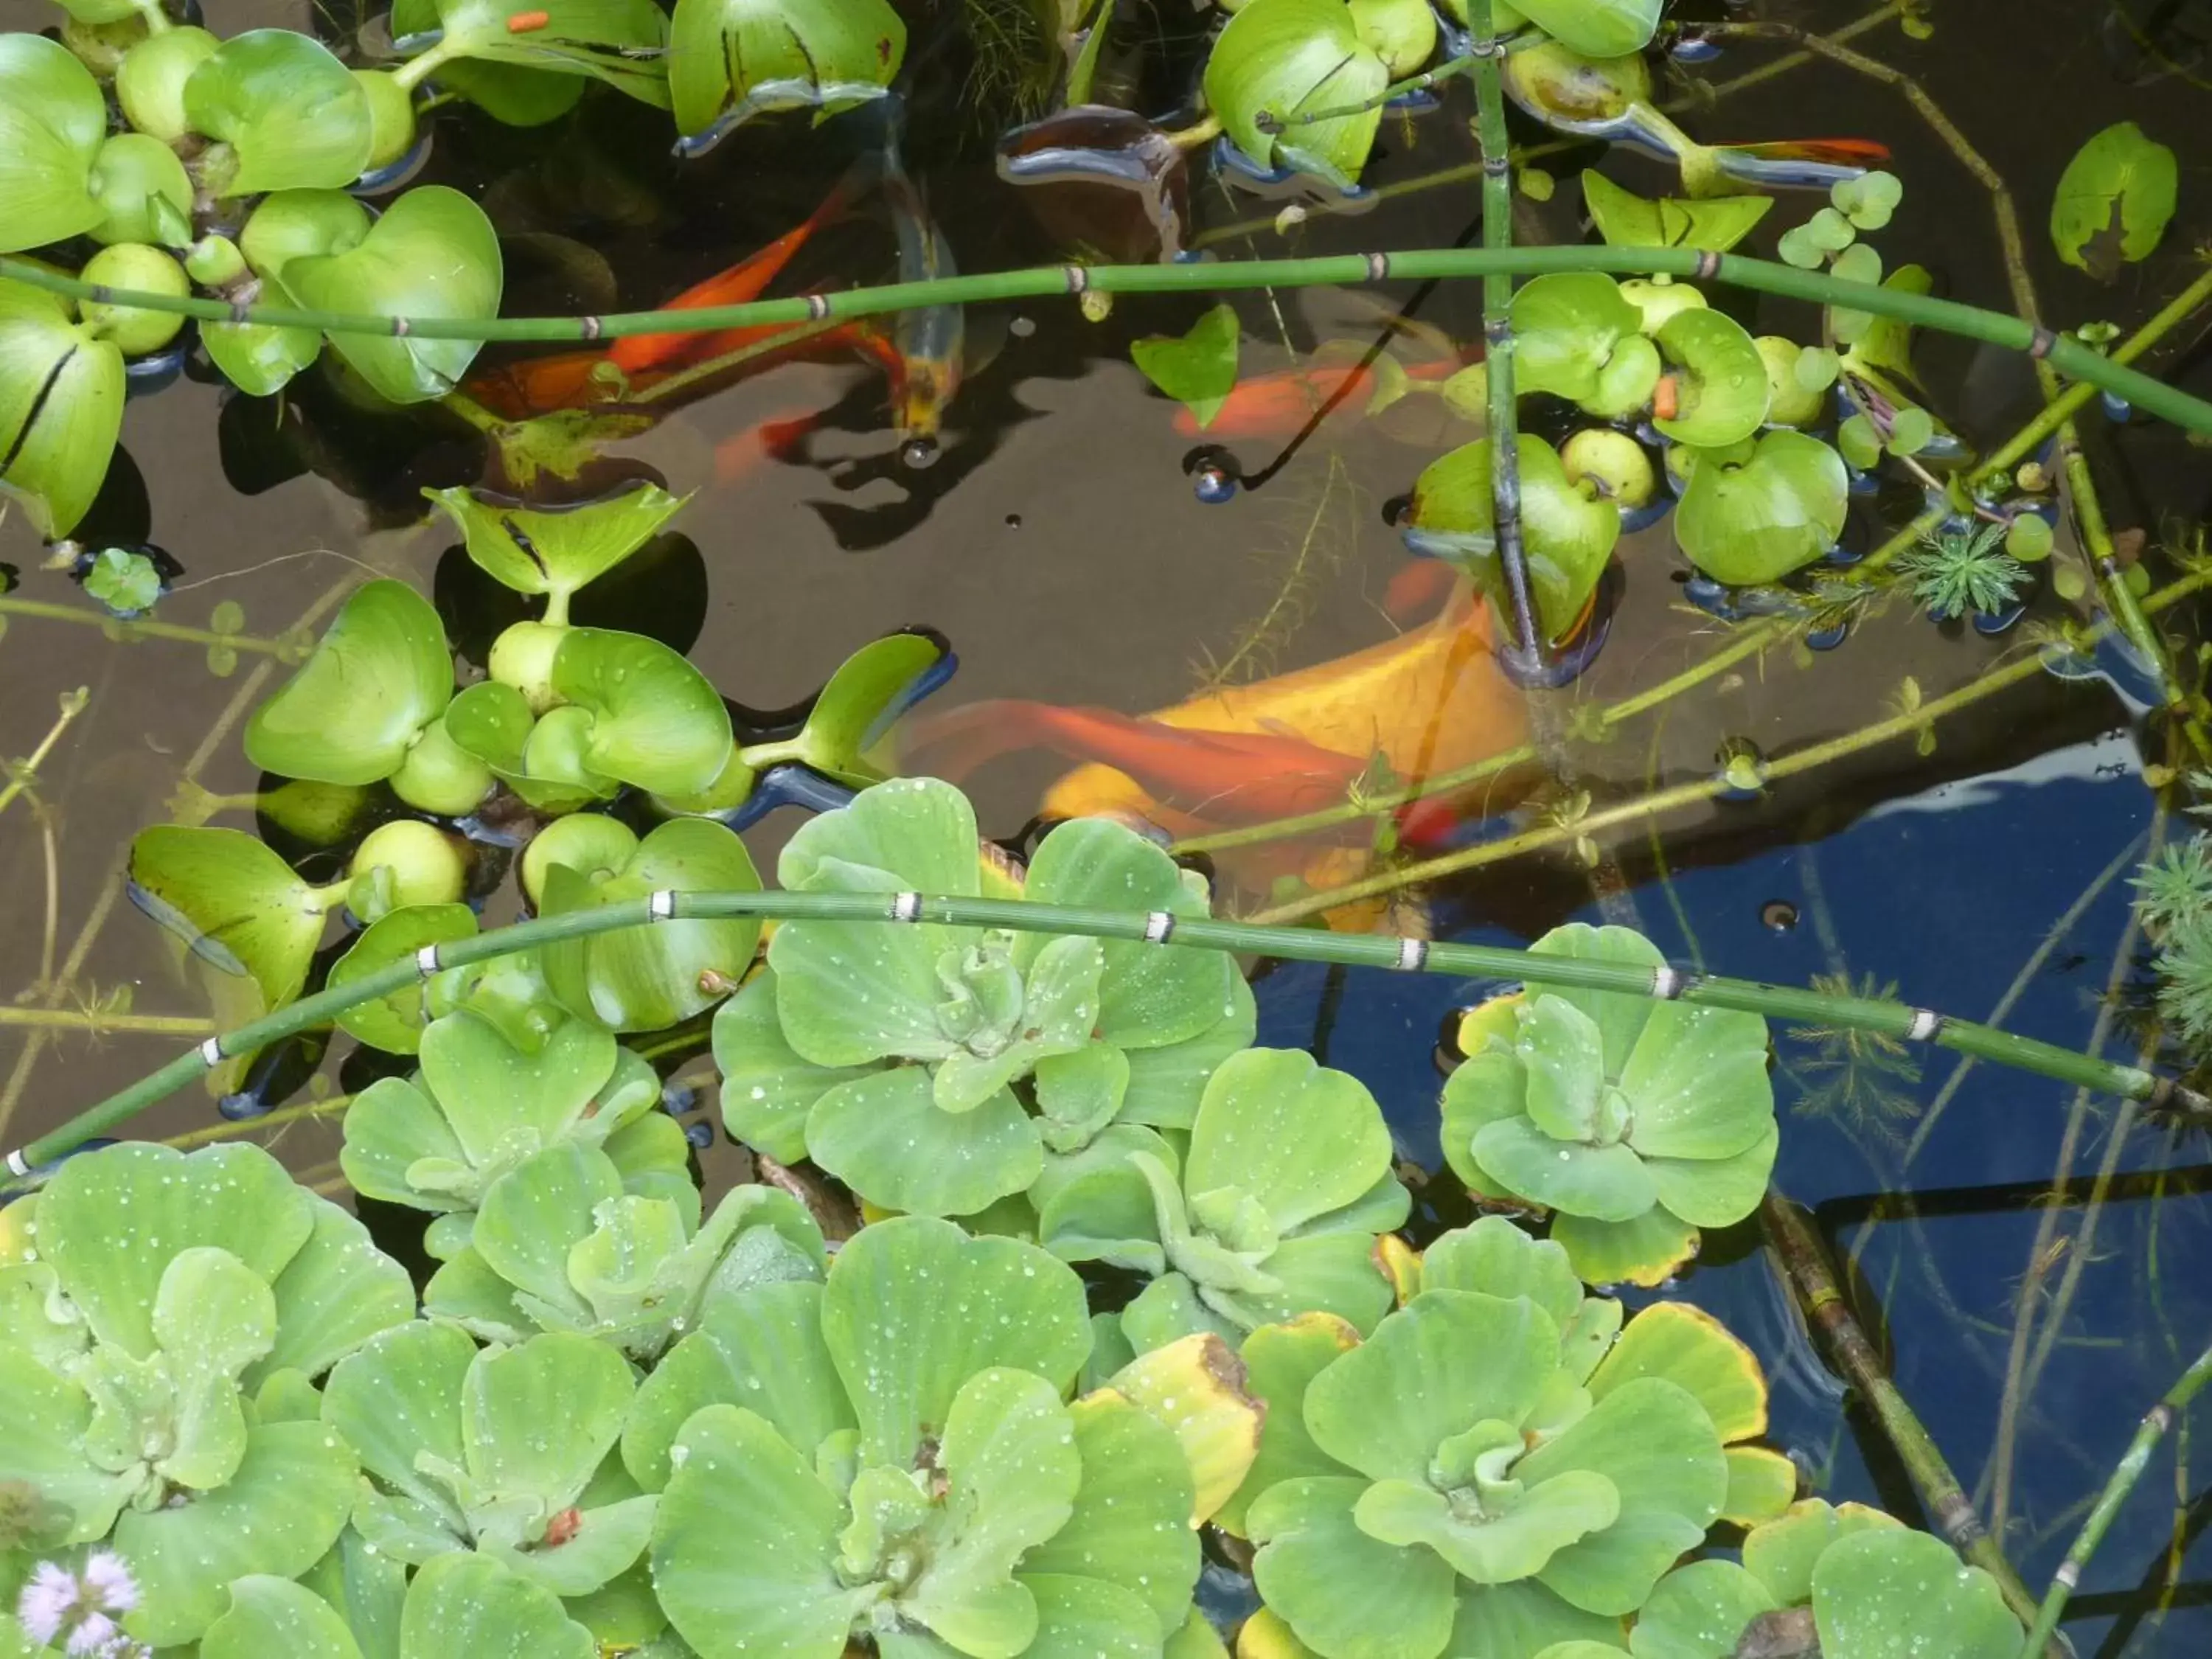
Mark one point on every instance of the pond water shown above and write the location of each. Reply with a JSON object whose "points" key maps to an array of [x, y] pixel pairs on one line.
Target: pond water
{"points": [[1058, 543]]}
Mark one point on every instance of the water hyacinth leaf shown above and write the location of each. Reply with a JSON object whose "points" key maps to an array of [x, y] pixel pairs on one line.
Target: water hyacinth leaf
{"points": [[871, 688], [255, 358], [1148, 998], [657, 722], [491, 722], [555, 551], [433, 254], [378, 675], [768, 1088], [239, 906], [61, 401], [1596, 28], [617, 41], [1721, 394], [745, 1544], [645, 979], [277, 1515], [1884, 1593], [1697, 1612], [270, 1615], [914, 1307], [729, 60], [1758, 520], [1624, 219], [1884, 347], [144, 191], [1279, 59], [512, 95], [1198, 369], [1566, 328], [53, 120], [1567, 536], [1341, 1591], [394, 1021], [467, 1605], [1301, 1139], [292, 114], [2114, 201]]}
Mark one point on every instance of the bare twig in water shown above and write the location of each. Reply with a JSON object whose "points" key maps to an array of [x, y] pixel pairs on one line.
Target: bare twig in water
{"points": [[830, 1206]]}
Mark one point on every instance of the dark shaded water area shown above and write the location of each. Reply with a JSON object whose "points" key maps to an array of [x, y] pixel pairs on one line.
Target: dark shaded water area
{"points": [[1058, 543]]}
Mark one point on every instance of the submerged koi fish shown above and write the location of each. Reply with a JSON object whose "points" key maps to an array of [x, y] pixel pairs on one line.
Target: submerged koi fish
{"points": [[1279, 404], [931, 340]]}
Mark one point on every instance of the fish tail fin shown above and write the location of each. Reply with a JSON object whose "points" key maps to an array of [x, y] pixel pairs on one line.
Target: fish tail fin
{"points": [[953, 744], [1835, 152], [1420, 588]]}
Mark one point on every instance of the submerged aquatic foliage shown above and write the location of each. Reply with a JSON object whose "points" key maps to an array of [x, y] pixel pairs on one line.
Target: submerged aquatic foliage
{"points": [[1954, 572], [1636, 1123]]}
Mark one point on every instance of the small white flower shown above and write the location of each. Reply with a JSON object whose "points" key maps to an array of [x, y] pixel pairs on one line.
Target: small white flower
{"points": [[46, 1602], [110, 1580], [95, 1639]]}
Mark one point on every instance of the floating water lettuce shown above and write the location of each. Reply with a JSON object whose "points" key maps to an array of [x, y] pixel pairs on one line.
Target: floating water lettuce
{"points": [[642, 979], [729, 60], [554, 551], [2114, 201], [481, 1104], [1279, 59], [568, 1240], [888, 1454], [291, 115], [61, 401], [146, 1298], [433, 255], [1567, 532], [1755, 513], [1197, 369], [893, 1053], [1451, 1484], [53, 122], [1624, 219], [1635, 1122], [365, 706], [493, 1451], [1850, 1576], [461, 1604], [1272, 1211]]}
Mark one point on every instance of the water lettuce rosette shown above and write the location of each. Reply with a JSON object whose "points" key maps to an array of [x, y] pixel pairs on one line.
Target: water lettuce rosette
{"points": [[894, 1054], [1635, 1122], [159, 1317]]}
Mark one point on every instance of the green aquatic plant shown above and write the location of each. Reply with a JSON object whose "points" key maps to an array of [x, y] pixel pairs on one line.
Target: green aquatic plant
{"points": [[1462, 1481], [1568, 531], [498, 1450], [893, 1059], [569, 1240], [729, 60], [1279, 60], [1636, 1123], [1849, 1578], [1755, 511], [1624, 219], [555, 551], [2114, 201], [888, 1454], [1866, 1082], [1198, 368], [481, 1104], [125, 582], [460, 1605], [1954, 572], [2174, 889], [1272, 1211], [160, 1316], [61, 406]]}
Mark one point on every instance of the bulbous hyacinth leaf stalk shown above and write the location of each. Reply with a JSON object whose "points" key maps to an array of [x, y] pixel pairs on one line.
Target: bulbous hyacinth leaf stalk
{"points": [[1636, 1123], [892, 1061], [154, 1311], [887, 1453]]}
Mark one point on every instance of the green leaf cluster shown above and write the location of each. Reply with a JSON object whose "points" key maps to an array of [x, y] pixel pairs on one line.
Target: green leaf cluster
{"points": [[1635, 1123], [931, 1067]]}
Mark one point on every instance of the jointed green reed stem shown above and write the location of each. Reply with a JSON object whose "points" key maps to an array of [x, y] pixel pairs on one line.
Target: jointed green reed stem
{"points": [[1781, 1002], [2069, 356], [1829, 1311], [2156, 1421]]}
